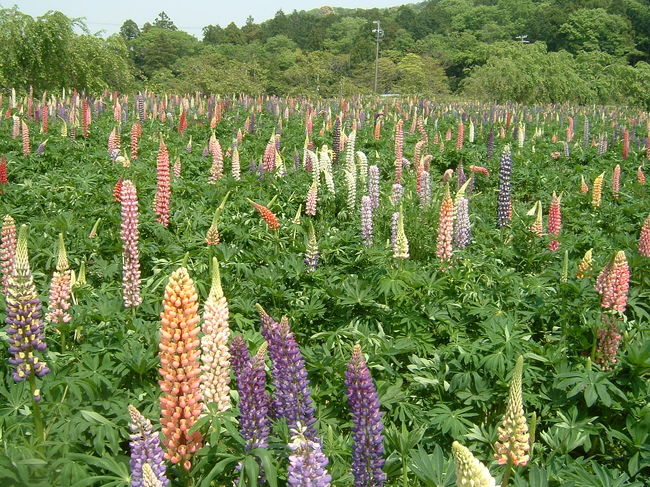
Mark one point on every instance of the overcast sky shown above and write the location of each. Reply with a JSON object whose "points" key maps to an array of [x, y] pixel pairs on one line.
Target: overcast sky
{"points": [[188, 15]]}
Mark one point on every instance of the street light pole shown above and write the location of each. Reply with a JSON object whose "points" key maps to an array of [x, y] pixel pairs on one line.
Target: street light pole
{"points": [[379, 33]]}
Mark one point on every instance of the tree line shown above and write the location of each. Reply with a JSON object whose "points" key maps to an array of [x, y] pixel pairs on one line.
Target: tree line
{"points": [[530, 51]]}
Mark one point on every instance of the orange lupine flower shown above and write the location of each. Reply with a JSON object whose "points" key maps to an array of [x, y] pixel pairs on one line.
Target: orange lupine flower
{"points": [[268, 216]]}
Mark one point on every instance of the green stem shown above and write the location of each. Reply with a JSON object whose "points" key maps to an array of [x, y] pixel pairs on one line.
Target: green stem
{"points": [[62, 339], [36, 412], [507, 474]]}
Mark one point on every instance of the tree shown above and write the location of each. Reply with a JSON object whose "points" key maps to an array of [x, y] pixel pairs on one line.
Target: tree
{"points": [[597, 30], [129, 30], [161, 48], [164, 22]]}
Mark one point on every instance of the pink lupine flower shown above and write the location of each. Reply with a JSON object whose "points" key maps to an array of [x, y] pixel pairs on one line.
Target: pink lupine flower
{"points": [[25, 133], [312, 199], [644, 238], [60, 289], [640, 176], [163, 188], [129, 235], [609, 339], [616, 181], [613, 283], [216, 171], [445, 228], [554, 222], [7, 250]]}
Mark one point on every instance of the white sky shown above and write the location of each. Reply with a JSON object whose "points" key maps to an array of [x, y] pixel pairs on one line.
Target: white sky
{"points": [[188, 15]]}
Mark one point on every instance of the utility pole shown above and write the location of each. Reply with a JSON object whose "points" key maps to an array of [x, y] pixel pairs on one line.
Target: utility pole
{"points": [[379, 33]]}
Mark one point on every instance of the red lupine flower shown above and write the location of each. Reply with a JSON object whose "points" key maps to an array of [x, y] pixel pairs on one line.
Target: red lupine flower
{"points": [[268, 216], [3, 171], [460, 135], [182, 122], [480, 169], [44, 119], [117, 191]]}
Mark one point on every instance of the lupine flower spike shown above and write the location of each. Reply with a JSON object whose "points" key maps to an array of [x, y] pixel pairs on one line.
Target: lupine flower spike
{"points": [[583, 185], [130, 235], [268, 216], [368, 446], [445, 228], [462, 230], [145, 451], [584, 267], [7, 250], [25, 331], [163, 188], [60, 289], [537, 227], [307, 463], [616, 181], [292, 396], [613, 283], [311, 253], [366, 220], [514, 443], [640, 176], [215, 357], [597, 191], [180, 402], [470, 472], [401, 247], [504, 207], [554, 222], [213, 237], [644, 238], [250, 375]]}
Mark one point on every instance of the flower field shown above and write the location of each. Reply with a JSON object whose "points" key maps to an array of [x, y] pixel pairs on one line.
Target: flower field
{"points": [[209, 291]]}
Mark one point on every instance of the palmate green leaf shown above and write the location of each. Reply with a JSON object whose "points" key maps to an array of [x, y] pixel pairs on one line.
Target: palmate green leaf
{"points": [[454, 422], [432, 469]]}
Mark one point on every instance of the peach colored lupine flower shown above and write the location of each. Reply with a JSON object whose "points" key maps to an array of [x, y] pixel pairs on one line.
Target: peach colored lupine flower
{"points": [[644, 238], [180, 401], [613, 283], [445, 227]]}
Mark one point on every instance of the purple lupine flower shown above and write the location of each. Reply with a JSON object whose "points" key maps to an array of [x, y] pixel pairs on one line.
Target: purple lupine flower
{"points": [[460, 175], [145, 448], [368, 447], [366, 220], [462, 231], [292, 397], [41, 148], [373, 186], [602, 146], [205, 152], [393, 229], [567, 152], [25, 331], [585, 133], [425, 189], [505, 174], [139, 105], [250, 375], [490, 145], [397, 193], [307, 463]]}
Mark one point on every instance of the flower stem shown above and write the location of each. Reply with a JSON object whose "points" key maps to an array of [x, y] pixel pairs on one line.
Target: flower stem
{"points": [[506, 476], [36, 413]]}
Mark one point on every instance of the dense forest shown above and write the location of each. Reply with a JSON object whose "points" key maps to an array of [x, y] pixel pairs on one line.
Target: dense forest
{"points": [[528, 51]]}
